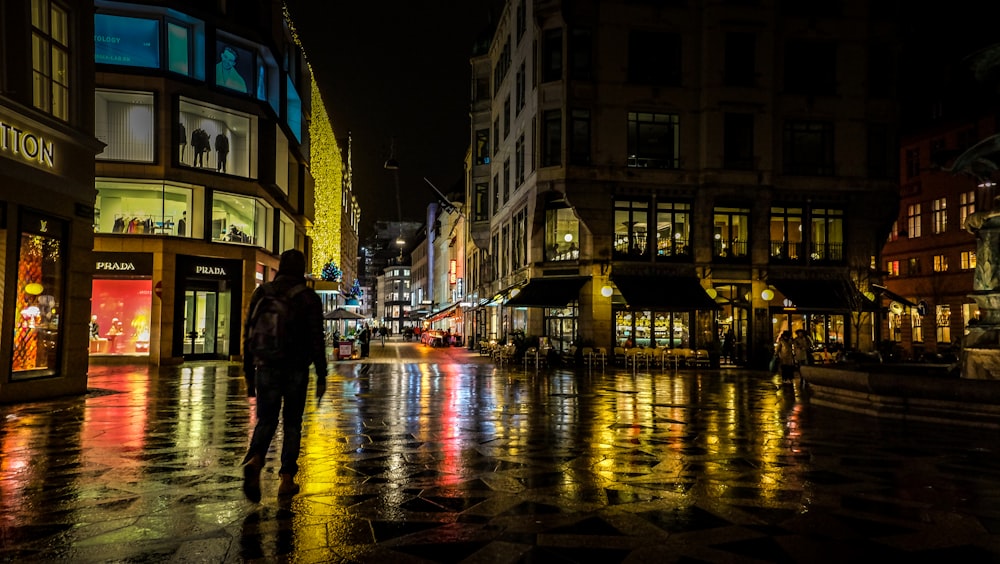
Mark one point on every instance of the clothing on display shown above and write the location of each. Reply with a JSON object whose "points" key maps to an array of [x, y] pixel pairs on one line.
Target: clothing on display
{"points": [[222, 148], [201, 143]]}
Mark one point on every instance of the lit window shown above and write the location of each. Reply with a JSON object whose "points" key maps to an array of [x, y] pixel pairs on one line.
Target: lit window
{"points": [[940, 215], [940, 263], [913, 220], [968, 260], [943, 315], [892, 268], [966, 206], [50, 58]]}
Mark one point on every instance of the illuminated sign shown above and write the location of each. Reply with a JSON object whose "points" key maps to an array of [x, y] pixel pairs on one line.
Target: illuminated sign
{"points": [[213, 270], [128, 264], [122, 40], [453, 271], [26, 145]]}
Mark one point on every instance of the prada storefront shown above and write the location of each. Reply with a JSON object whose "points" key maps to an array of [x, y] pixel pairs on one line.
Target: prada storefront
{"points": [[121, 304], [207, 306]]}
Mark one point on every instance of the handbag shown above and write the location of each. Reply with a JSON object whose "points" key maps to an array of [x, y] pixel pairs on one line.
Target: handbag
{"points": [[775, 364]]}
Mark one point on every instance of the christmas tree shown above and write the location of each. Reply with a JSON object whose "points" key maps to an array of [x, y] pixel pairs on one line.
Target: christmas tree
{"points": [[331, 272]]}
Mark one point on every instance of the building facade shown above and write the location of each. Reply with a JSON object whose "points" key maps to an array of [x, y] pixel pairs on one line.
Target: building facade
{"points": [[663, 175], [47, 149], [204, 178], [930, 258]]}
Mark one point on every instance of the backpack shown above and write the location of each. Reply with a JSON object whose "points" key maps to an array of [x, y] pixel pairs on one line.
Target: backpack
{"points": [[269, 335]]}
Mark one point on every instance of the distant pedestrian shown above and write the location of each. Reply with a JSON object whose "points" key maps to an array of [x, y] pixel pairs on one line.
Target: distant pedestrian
{"points": [[802, 345], [283, 335], [365, 338], [728, 345], [785, 353]]}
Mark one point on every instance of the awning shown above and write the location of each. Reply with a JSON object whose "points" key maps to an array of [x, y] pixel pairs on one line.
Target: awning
{"points": [[672, 293], [549, 291], [892, 295], [825, 294], [446, 312]]}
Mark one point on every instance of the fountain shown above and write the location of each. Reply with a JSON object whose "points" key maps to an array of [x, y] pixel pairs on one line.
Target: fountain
{"points": [[981, 343]]}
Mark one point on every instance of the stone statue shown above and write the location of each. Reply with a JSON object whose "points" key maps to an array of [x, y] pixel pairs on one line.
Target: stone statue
{"points": [[985, 225]]}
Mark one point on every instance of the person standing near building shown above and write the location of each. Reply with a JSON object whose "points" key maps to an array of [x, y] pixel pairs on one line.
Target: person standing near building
{"points": [[785, 353], [802, 346], [283, 376], [365, 338]]}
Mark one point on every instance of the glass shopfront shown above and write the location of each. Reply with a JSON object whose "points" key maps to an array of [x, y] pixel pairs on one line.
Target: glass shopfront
{"points": [[206, 291], [241, 219], [645, 328], [37, 338], [124, 123], [561, 327], [121, 304], [215, 138], [137, 207]]}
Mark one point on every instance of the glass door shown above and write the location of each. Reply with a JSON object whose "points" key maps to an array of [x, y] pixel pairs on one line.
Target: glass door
{"points": [[206, 323]]}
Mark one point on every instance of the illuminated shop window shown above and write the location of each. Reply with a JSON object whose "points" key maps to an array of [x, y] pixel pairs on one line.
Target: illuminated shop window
{"points": [[293, 110], [38, 297], [240, 219], [134, 40], [135, 207], [562, 235], [631, 226], [943, 317], [210, 137], [127, 41], [124, 123], [287, 235], [120, 317]]}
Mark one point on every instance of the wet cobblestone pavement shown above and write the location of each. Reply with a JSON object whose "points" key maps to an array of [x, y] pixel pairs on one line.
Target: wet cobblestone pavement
{"points": [[436, 455]]}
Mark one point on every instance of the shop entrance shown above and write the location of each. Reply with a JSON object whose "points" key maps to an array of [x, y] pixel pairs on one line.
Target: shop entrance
{"points": [[206, 322]]}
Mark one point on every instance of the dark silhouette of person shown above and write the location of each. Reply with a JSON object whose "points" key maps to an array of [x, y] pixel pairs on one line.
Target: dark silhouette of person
{"points": [[285, 381]]}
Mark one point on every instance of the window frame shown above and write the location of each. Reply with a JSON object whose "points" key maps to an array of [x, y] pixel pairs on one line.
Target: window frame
{"points": [[643, 129]]}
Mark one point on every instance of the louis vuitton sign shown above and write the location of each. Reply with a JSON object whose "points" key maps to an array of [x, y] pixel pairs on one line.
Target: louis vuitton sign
{"points": [[21, 143]]}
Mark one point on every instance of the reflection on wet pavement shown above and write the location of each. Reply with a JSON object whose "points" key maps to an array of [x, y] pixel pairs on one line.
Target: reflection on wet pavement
{"points": [[412, 459]]}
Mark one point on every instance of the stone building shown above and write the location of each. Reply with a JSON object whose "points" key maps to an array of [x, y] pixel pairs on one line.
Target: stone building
{"points": [[663, 173]]}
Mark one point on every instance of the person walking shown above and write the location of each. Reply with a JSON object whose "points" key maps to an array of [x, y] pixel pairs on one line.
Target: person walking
{"points": [[785, 353], [365, 338], [282, 377], [802, 345]]}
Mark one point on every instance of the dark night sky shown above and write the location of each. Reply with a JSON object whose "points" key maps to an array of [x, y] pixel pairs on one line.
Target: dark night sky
{"points": [[396, 70], [400, 70]]}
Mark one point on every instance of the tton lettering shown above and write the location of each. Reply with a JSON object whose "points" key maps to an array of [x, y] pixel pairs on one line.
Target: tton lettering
{"points": [[26, 145]]}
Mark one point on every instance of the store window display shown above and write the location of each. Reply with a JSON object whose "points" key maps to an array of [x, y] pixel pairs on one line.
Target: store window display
{"points": [[38, 298], [124, 123], [121, 315], [215, 138], [143, 208], [240, 219]]}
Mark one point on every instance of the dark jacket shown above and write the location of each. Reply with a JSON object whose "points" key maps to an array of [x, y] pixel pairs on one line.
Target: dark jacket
{"points": [[307, 338]]}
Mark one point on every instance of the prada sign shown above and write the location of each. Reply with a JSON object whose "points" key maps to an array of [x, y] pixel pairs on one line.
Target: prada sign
{"points": [[202, 267], [123, 264]]}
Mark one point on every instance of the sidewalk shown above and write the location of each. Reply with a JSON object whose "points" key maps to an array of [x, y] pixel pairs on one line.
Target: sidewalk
{"points": [[436, 455]]}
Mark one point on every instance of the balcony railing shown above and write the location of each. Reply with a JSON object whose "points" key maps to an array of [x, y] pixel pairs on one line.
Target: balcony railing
{"points": [[786, 252], [735, 250]]}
